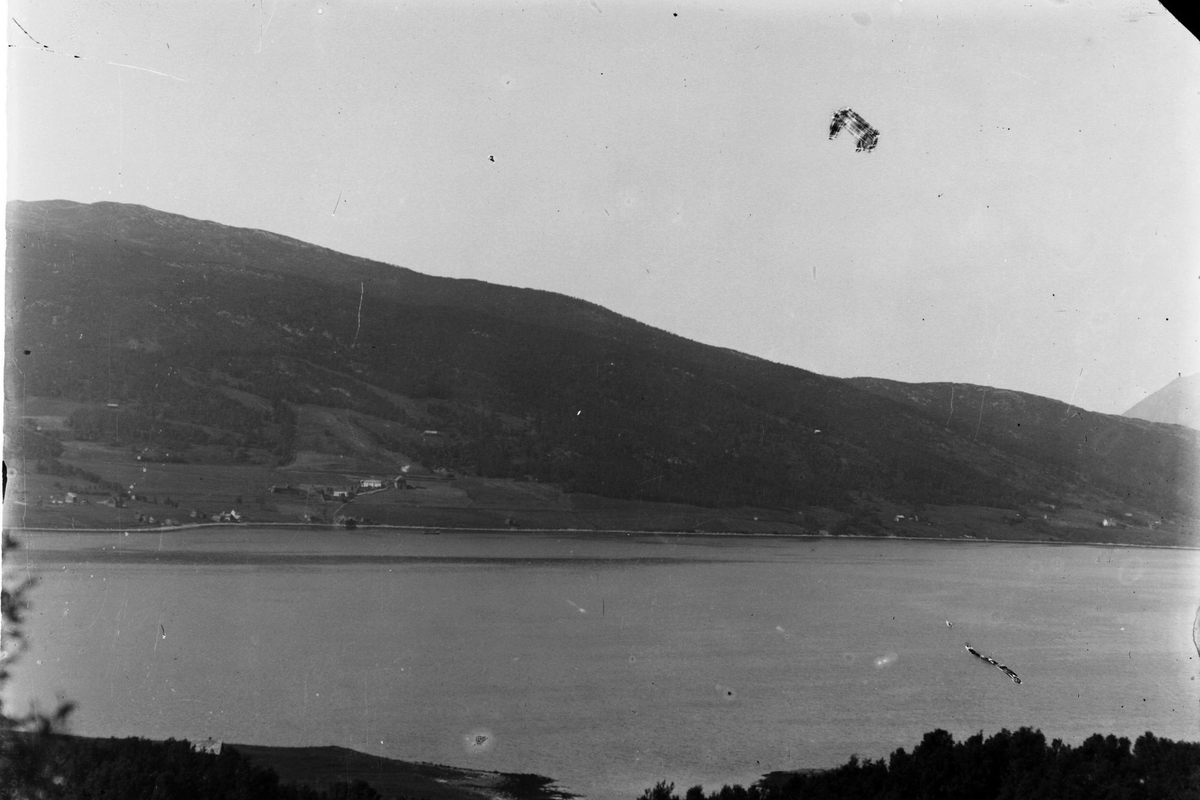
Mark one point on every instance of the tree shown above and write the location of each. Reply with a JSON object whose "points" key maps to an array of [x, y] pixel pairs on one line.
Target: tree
{"points": [[26, 766], [661, 791], [356, 789]]}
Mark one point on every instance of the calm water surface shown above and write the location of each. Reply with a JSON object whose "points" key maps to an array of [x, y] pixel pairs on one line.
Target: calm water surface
{"points": [[607, 662]]}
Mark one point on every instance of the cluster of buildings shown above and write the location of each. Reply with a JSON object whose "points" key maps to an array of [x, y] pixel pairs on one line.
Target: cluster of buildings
{"points": [[222, 516], [308, 491], [342, 494]]}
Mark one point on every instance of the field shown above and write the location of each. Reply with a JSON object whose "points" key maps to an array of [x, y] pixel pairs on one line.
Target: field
{"points": [[105, 486]]}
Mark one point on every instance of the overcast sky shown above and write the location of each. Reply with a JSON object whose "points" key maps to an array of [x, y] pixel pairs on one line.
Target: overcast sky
{"points": [[1028, 220]]}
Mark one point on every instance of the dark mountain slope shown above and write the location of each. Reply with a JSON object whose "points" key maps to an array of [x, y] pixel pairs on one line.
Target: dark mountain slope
{"points": [[1107, 452], [210, 336]]}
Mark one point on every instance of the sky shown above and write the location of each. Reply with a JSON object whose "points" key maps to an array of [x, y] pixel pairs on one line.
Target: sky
{"points": [[1028, 220]]}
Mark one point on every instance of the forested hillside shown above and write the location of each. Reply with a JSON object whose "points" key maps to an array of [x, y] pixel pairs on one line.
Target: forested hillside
{"points": [[194, 341]]}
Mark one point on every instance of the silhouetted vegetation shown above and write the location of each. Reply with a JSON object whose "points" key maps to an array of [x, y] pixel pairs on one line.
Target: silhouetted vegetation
{"points": [[63, 767], [1016, 765], [26, 763]]}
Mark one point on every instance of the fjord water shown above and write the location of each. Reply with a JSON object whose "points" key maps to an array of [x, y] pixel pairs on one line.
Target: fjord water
{"points": [[606, 661]]}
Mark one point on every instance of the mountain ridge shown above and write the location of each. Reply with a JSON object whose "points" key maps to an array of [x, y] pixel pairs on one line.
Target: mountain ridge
{"points": [[1177, 403], [219, 343]]}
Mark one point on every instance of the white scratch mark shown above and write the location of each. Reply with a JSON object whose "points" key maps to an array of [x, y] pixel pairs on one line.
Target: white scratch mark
{"points": [[143, 69], [44, 48], [262, 29], [982, 400], [362, 288], [1071, 400]]}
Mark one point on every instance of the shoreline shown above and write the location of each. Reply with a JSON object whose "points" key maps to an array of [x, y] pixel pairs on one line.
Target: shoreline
{"points": [[320, 767], [425, 529]]}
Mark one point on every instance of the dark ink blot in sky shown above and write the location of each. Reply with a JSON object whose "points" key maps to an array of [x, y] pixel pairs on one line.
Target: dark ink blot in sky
{"points": [[868, 137]]}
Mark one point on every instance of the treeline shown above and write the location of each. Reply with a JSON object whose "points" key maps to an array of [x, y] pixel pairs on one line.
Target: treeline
{"points": [[1006, 766], [53, 466], [28, 442], [156, 428], [59, 767]]}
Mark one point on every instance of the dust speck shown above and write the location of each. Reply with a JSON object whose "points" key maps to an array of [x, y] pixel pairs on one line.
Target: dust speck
{"points": [[886, 660], [478, 741]]}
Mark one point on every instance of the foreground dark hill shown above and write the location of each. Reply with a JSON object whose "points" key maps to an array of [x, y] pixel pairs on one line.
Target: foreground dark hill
{"points": [[1177, 403], [184, 340], [61, 766]]}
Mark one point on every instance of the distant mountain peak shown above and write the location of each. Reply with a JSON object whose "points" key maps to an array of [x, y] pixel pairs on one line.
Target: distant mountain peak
{"points": [[1177, 403]]}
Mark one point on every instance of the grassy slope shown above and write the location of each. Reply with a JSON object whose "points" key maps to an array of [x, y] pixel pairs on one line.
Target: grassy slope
{"points": [[493, 503]]}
